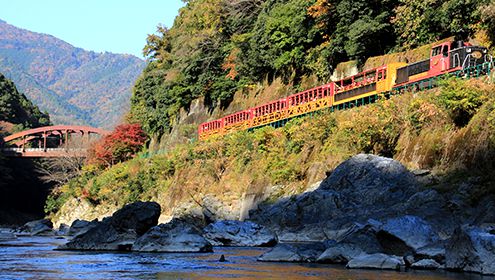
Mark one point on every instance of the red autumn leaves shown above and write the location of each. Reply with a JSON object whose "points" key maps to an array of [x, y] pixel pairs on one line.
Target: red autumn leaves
{"points": [[121, 145]]}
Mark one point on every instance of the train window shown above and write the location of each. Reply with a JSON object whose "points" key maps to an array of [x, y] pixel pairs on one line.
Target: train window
{"points": [[347, 82], [445, 51], [370, 76], [380, 75], [436, 51]]}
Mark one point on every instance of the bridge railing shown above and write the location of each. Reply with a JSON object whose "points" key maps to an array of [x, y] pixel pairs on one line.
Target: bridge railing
{"points": [[20, 150]]}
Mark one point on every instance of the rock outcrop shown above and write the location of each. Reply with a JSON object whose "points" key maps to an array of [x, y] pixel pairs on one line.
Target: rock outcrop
{"points": [[376, 261], [79, 227], [471, 249], [39, 227], [362, 188], [237, 233], [120, 231], [294, 252], [413, 231], [378, 216], [175, 236]]}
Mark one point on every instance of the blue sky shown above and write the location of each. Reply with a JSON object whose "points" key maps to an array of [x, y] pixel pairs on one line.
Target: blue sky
{"points": [[118, 26]]}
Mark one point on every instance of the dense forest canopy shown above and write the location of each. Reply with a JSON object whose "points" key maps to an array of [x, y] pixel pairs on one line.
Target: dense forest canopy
{"points": [[218, 47], [16, 109]]}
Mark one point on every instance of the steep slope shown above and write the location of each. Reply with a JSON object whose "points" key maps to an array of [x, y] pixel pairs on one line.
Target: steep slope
{"points": [[21, 193], [16, 109], [74, 85]]}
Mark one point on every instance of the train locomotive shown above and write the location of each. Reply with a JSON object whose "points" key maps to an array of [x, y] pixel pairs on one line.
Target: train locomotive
{"points": [[453, 57]]}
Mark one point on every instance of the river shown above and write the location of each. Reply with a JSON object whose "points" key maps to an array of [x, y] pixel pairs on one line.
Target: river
{"points": [[35, 258]]}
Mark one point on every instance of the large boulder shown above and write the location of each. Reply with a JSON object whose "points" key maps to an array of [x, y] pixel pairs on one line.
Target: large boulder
{"points": [[363, 187], [237, 233], [39, 227], [376, 261], [340, 253], [372, 181], [294, 252], [413, 231], [173, 237], [120, 231], [355, 240], [79, 227], [471, 249]]}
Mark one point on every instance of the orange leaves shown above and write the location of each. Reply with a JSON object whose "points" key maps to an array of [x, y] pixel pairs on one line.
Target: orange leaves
{"points": [[230, 64], [319, 11]]}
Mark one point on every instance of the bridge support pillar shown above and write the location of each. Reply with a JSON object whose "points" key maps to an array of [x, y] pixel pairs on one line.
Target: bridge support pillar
{"points": [[44, 141], [66, 140]]}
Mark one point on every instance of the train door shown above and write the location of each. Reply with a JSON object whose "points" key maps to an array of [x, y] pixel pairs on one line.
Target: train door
{"points": [[439, 59]]}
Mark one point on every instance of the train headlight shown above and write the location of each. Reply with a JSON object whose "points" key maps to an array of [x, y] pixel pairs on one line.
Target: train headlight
{"points": [[485, 51], [468, 50], [477, 54]]}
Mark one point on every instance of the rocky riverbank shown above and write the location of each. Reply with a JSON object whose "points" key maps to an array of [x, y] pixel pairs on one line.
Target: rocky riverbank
{"points": [[370, 212]]}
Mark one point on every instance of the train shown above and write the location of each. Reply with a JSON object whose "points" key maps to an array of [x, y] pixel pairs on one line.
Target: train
{"points": [[450, 57]]}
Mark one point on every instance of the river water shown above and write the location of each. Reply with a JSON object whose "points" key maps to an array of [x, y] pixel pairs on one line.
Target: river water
{"points": [[35, 258]]}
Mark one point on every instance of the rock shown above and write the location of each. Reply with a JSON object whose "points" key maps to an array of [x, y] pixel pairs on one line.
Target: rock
{"points": [[433, 207], [63, 229], [39, 227], [413, 231], [120, 231], [363, 238], [173, 237], [353, 241], [369, 180], [376, 261], [340, 253], [294, 252], [79, 227], [236, 233], [306, 233], [427, 264], [471, 249], [431, 252], [363, 187], [421, 172]]}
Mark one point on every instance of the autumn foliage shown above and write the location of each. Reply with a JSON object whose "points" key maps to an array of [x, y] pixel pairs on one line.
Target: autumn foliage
{"points": [[122, 144]]}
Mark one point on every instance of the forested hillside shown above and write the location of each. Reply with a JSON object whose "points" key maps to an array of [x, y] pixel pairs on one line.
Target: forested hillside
{"points": [[22, 193], [219, 47], [75, 86], [16, 111]]}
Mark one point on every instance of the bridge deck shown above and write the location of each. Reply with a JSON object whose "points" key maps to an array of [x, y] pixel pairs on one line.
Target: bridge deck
{"points": [[42, 153]]}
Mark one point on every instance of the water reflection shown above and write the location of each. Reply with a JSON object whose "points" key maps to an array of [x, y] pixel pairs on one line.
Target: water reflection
{"points": [[34, 257]]}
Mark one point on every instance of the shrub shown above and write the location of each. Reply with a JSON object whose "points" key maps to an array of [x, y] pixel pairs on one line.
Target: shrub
{"points": [[461, 99], [121, 145]]}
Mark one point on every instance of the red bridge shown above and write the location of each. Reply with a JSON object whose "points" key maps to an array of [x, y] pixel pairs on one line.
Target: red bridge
{"points": [[50, 141]]}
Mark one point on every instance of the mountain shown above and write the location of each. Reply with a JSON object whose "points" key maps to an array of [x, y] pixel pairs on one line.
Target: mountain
{"points": [[75, 86]]}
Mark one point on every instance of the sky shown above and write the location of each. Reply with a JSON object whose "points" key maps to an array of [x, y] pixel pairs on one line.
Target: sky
{"points": [[118, 26]]}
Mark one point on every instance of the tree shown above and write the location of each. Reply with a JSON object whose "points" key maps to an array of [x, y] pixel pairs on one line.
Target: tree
{"points": [[419, 22], [121, 145]]}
